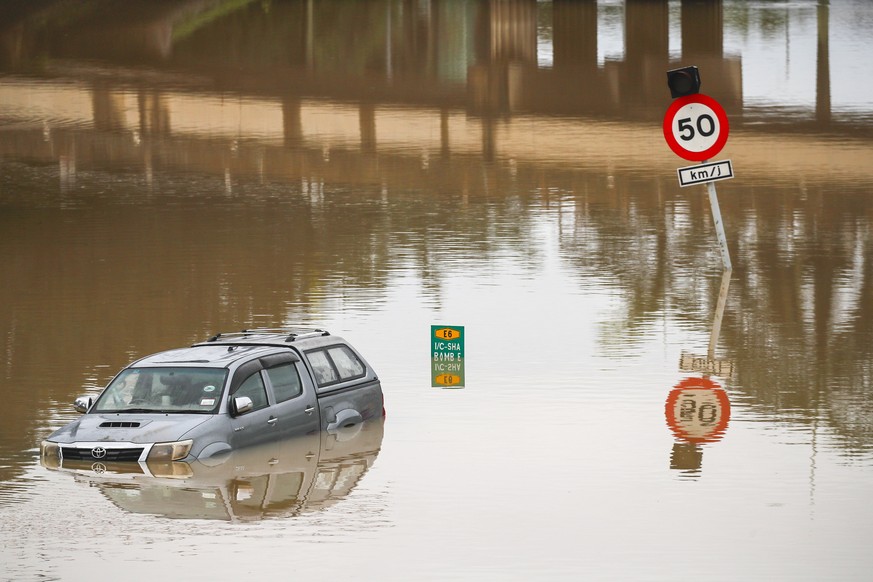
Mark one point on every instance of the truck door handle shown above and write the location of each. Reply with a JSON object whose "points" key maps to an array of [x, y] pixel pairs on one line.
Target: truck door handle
{"points": [[273, 420], [309, 409]]}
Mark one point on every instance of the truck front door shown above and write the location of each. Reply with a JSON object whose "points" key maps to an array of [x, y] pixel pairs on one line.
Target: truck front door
{"points": [[295, 408], [259, 425]]}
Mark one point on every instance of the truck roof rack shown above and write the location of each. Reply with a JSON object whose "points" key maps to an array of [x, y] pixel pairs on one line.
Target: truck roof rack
{"points": [[269, 335]]}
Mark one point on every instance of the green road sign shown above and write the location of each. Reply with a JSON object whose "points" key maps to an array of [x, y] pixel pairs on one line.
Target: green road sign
{"points": [[447, 356]]}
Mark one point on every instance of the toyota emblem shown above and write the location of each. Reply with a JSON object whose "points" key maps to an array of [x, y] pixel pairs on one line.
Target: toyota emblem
{"points": [[98, 452], [98, 468]]}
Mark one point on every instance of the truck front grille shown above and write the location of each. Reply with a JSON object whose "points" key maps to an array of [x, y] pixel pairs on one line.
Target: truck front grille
{"points": [[101, 454]]}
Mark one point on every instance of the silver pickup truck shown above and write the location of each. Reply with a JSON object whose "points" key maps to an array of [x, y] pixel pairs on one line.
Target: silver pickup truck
{"points": [[231, 391]]}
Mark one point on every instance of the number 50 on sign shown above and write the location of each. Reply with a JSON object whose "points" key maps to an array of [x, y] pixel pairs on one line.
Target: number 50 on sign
{"points": [[696, 127]]}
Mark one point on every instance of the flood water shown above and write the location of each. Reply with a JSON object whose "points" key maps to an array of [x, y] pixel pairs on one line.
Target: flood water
{"points": [[169, 170]]}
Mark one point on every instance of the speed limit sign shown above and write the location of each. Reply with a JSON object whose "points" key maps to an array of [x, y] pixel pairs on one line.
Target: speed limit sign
{"points": [[696, 127]]}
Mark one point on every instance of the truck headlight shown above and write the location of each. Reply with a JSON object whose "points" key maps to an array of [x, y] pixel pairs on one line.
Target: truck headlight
{"points": [[170, 451]]}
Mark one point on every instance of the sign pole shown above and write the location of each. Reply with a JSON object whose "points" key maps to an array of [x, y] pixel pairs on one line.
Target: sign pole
{"points": [[719, 313], [696, 128], [719, 226]]}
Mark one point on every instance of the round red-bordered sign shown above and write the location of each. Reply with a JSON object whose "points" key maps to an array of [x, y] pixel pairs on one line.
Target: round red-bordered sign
{"points": [[698, 410], [696, 127]]}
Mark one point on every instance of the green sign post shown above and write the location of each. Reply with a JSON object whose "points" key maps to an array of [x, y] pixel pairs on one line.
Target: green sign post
{"points": [[447, 356]]}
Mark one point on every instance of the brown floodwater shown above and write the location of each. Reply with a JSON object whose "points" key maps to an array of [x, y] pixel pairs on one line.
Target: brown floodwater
{"points": [[630, 410]]}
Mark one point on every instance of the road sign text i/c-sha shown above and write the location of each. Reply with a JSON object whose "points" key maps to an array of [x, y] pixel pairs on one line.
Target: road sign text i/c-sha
{"points": [[447, 356]]}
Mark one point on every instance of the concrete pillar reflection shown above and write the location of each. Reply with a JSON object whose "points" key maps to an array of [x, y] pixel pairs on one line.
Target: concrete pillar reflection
{"points": [[647, 48], [703, 45], [702, 28], [108, 108], [574, 34], [445, 146], [822, 69], [309, 35], [513, 31], [154, 115], [488, 139], [367, 116], [12, 45], [505, 44], [647, 31], [292, 121]]}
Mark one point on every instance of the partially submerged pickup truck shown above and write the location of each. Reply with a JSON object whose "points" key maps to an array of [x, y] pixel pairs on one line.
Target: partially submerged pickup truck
{"points": [[231, 391]]}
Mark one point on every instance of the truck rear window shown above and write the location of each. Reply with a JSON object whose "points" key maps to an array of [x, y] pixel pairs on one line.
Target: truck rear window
{"points": [[335, 364], [347, 364]]}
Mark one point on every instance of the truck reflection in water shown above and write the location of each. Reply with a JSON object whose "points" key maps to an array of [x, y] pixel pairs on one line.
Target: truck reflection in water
{"points": [[281, 479]]}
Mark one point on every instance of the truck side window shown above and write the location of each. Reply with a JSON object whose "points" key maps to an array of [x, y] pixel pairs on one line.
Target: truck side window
{"points": [[347, 364], [254, 388], [285, 381], [324, 372]]}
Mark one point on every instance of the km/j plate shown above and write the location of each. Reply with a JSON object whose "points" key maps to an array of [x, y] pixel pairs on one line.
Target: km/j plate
{"points": [[702, 173]]}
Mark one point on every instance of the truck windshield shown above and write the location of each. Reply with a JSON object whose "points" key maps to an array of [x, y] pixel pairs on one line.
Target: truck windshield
{"points": [[177, 389]]}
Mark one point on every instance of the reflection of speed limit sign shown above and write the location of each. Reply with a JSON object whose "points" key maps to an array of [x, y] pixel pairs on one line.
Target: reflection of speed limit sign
{"points": [[698, 410], [696, 127]]}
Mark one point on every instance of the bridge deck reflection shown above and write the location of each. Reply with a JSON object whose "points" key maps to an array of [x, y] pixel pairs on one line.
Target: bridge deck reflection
{"points": [[217, 82], [58, 119]]}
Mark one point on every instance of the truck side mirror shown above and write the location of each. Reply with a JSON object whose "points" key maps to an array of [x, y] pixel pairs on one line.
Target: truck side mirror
{"points": [[82, 404], [241, 405]]}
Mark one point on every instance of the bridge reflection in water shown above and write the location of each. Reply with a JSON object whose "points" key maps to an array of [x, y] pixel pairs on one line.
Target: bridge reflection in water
{"points": [[459, 82]]}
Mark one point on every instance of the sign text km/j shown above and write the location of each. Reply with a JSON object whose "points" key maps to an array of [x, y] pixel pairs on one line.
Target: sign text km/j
{"points": [[702, 173]]}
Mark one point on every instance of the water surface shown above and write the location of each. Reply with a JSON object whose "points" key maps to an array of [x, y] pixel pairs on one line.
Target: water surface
{"points": [[170, 171]]}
